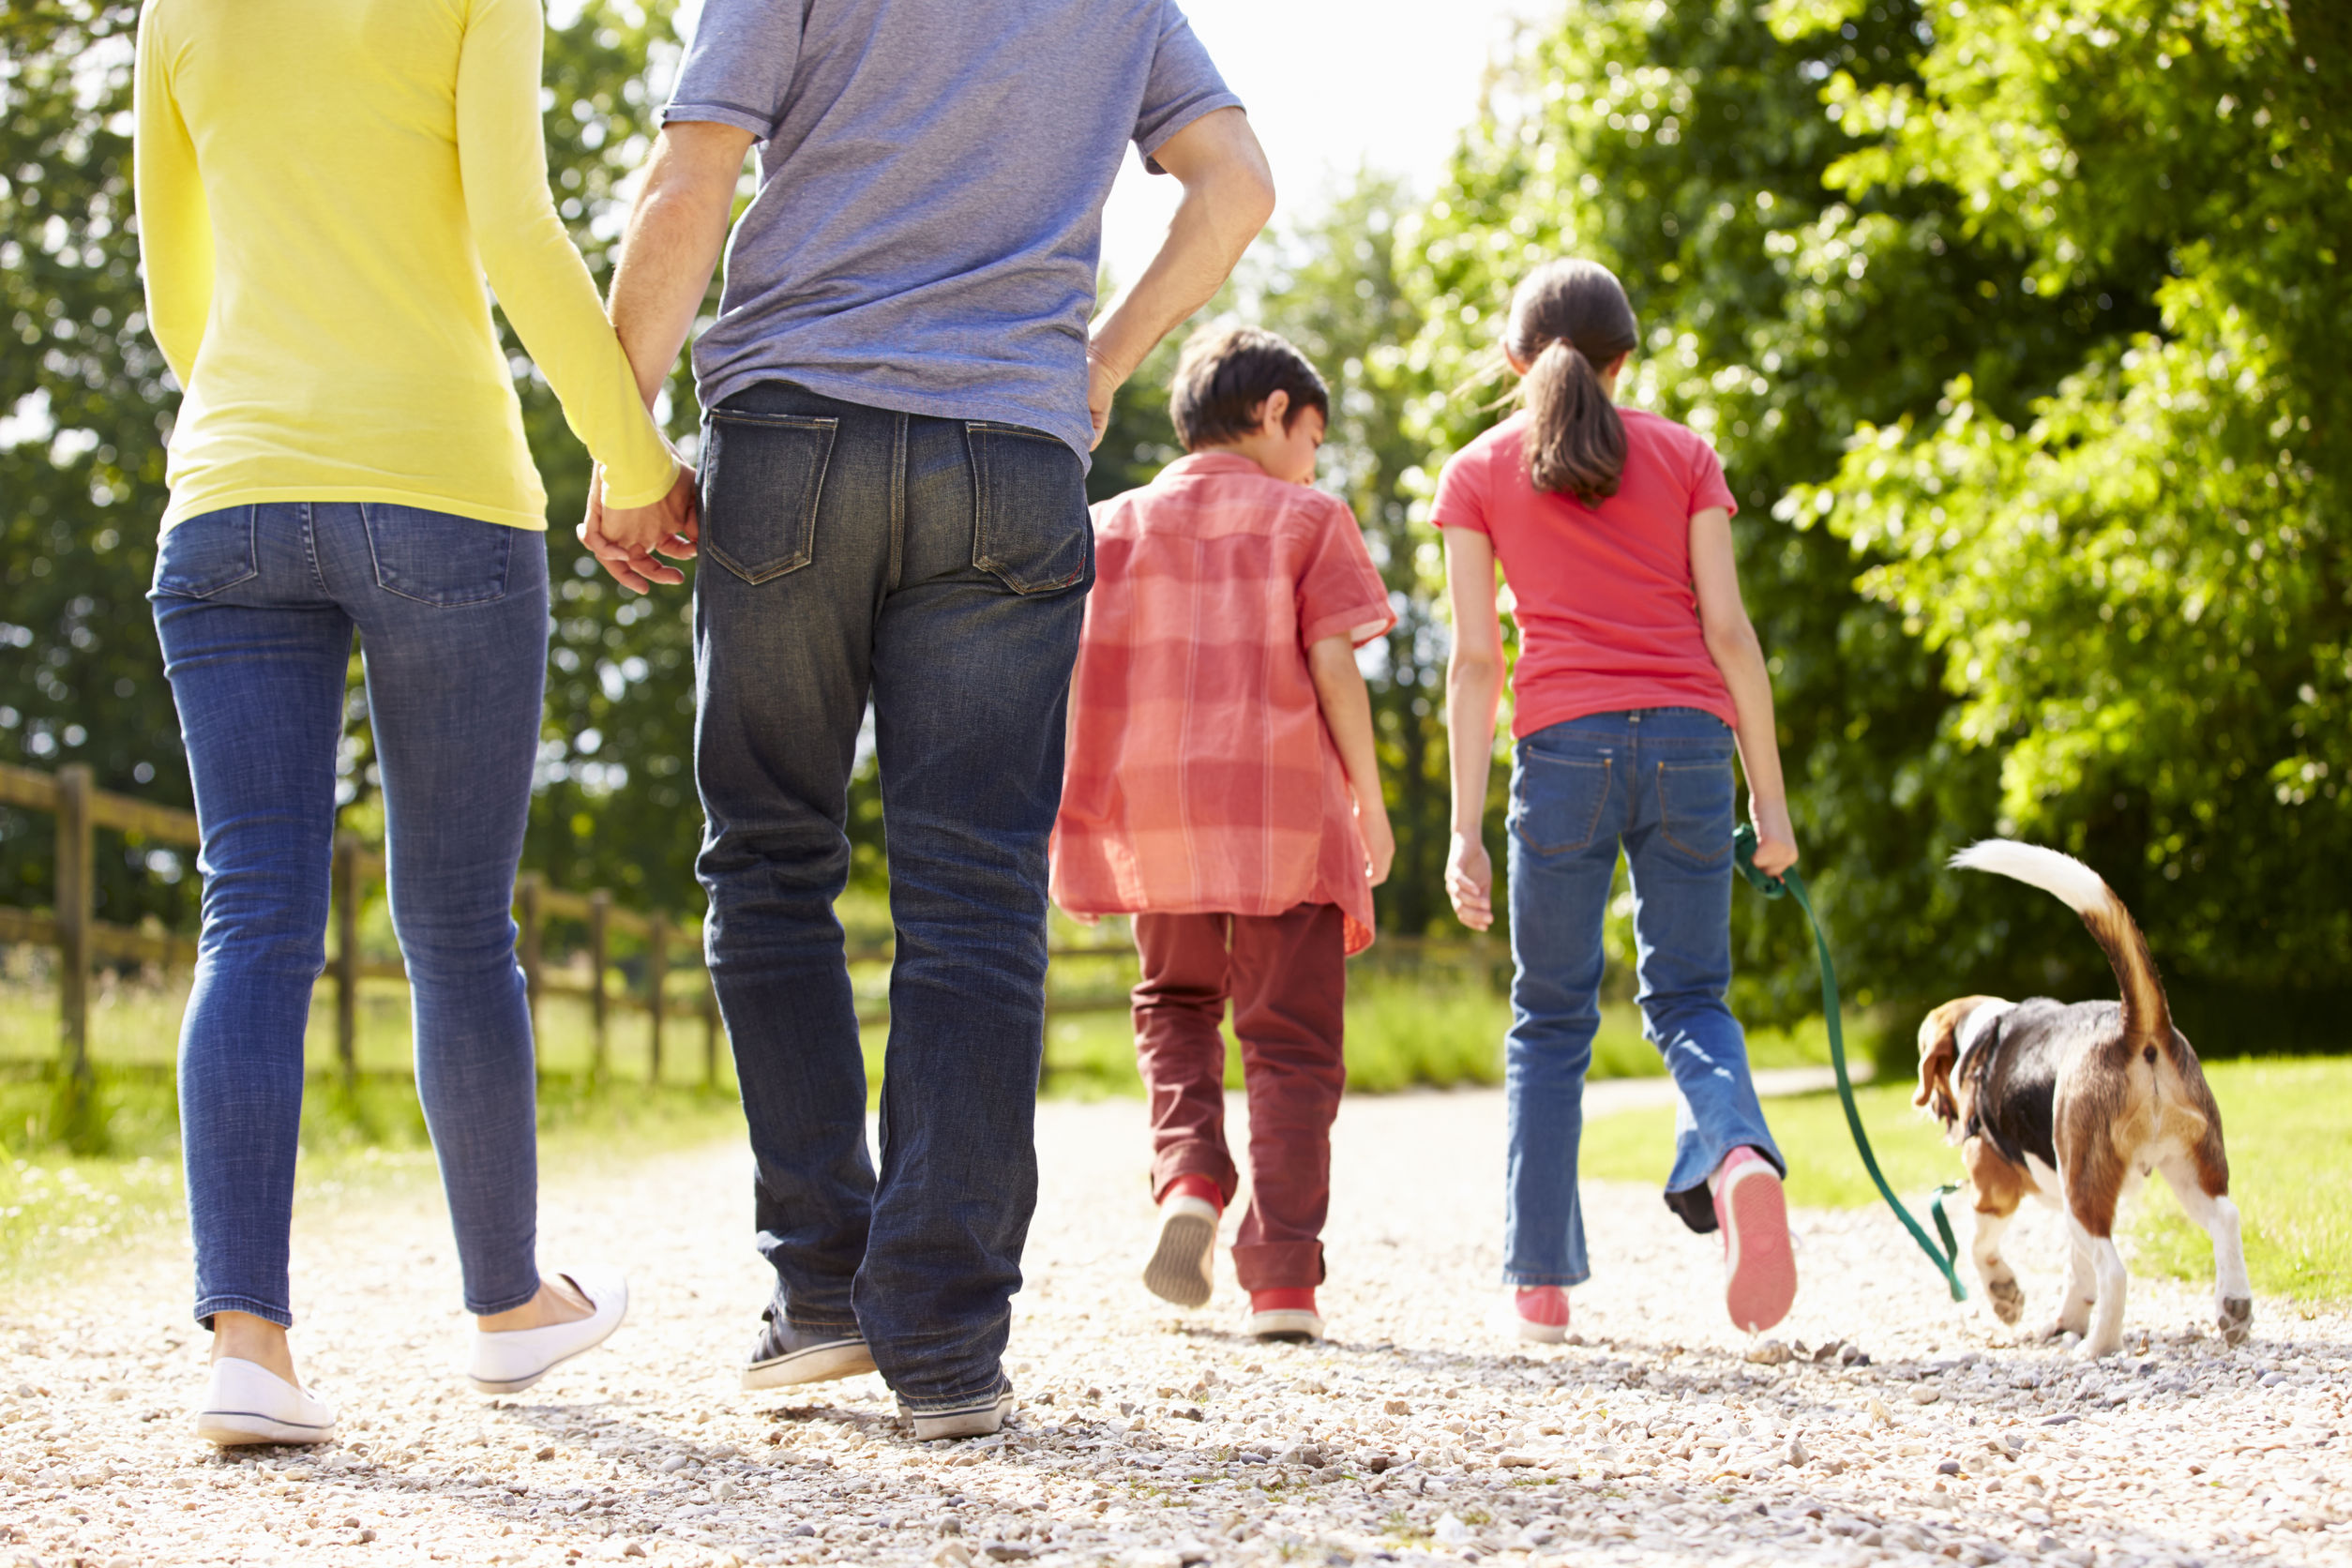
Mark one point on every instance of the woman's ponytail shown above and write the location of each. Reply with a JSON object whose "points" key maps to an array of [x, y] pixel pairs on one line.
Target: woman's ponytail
{"points": [[1567, 321]]}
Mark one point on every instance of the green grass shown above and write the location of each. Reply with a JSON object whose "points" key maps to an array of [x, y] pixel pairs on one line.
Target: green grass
{"points": [[59, 1211], [2292, 1179]]}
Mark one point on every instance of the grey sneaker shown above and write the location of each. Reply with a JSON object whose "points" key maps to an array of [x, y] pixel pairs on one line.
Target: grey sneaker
{"points": [[786, 1355], [979, 1418]]}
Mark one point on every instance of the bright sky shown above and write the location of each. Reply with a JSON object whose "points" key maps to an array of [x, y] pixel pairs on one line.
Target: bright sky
{"points": [[1331, 84]]}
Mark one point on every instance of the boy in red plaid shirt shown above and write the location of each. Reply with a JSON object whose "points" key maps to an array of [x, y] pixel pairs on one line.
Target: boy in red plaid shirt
{"points": [[1221, 789]]}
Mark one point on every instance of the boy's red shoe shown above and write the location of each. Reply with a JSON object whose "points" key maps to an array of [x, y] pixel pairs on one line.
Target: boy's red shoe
{"points": [[1182, 1269], [1284, 1315], [1538, 1313], [1760, 1266]]}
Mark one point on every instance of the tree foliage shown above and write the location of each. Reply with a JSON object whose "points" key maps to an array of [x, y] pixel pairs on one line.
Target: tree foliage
{"points": [[1846, 224]]}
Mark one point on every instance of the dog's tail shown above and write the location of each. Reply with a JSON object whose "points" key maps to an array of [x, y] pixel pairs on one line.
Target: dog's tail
{"points": [[2147, 1015]]}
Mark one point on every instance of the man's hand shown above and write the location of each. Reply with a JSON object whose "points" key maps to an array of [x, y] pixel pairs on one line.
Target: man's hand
{"points": [[626, 541], [1102, 386], [1470, 882]]}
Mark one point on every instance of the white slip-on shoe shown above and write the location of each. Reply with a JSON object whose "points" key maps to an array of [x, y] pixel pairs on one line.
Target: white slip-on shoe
{"points": [[512, 1361], [248, 1403]]}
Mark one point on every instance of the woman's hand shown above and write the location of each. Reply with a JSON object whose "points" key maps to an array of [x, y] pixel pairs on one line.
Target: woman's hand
{"points": [[1470, 882], [1775, 839]]}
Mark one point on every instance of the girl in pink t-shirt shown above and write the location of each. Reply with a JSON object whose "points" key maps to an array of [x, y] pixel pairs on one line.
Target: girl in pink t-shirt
{"points": [[1638, 678]]}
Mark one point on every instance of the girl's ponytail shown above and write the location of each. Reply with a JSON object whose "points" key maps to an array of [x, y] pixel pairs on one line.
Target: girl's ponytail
{"points": [[1568, 320]]}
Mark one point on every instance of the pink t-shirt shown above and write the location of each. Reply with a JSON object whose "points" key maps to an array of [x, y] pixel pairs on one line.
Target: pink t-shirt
{"points": [[1607, 617], [1201, 777]]}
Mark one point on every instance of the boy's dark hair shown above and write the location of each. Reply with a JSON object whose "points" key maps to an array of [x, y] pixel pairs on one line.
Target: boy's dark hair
{"points": [[1570, 320], [1226, 373]]}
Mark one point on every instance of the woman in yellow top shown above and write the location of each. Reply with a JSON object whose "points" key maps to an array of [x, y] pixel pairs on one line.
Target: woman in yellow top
{"points": [[323, 185]]}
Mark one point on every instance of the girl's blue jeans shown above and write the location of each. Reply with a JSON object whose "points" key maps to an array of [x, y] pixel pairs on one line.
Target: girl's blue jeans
{"points": [[256, 607], [1657, 782]]}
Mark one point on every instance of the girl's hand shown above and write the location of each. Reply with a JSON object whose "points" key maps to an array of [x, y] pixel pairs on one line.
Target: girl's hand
{"points": [[1470, 882], [1775, 839]]}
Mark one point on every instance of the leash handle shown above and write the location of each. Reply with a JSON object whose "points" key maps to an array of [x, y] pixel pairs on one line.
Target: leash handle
{"points": [[1793, 886]]}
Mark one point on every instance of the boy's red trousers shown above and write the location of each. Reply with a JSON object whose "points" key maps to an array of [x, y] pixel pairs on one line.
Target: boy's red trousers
{"points": [[1287, 978]]}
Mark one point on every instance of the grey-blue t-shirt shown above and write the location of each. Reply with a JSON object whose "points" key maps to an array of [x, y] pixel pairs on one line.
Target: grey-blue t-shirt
{"points": [[932, 176]]}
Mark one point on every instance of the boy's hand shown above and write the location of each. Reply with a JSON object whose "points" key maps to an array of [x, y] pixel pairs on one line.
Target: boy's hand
{"points": [[1379, 840], [1470, 882]]}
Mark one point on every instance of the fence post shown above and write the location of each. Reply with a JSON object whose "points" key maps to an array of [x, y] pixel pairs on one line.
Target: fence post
{"points": [[599, 921], [658, 985], [345, 886], [710, 1033], [77, 902], [530, 949]]}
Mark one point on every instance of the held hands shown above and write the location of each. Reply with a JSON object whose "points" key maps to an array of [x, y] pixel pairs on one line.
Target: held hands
{"points": [[1775, 839], [1470, 882], [625, 540]]}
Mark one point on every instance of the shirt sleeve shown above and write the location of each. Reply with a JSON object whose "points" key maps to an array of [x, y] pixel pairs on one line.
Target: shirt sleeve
{"points": [[1184, 84], [1709, 488], [1340, 591], [1461, 501], [538, 277], [174, 223], [738, 69]]}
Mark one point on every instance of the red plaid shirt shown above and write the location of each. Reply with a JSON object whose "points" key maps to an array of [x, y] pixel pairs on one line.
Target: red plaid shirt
{"points": [[1201, 777]]}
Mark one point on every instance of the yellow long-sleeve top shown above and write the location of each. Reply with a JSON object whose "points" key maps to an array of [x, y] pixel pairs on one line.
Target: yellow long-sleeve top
{"points": [[323, 185]]}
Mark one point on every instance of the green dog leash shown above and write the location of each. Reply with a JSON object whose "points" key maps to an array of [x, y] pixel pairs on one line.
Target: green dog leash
{"points": [[1794, 886]]}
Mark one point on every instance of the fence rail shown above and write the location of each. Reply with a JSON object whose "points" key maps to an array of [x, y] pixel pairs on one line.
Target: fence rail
{"points": [[83, 942]]}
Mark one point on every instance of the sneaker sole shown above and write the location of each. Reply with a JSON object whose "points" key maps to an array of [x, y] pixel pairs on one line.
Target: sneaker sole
{"points": [[984, 1420], [235, 1428], [1295, 1327], [1760, 1276], [819, 1363], [1179, 1271], [516, 1385], [1539, 1333]]}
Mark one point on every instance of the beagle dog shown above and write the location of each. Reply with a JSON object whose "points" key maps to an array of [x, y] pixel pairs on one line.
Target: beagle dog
{"points": [[2075, 1105]]}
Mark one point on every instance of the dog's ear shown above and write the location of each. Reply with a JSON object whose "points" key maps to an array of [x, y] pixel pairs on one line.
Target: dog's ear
{"points": [[1939, 1051]]}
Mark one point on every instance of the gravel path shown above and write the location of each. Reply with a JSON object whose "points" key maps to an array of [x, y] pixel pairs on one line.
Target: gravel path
{"points": [[1152, 1439]]}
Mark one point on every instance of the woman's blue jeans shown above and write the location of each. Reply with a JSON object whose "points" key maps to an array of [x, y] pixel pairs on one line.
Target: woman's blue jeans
{"points": [[255, 606], [1658, 782]]}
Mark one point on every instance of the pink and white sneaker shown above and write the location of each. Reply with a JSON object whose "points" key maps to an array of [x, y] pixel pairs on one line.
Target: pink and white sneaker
{"points": [[1760, 1266], [1536, 1313]]}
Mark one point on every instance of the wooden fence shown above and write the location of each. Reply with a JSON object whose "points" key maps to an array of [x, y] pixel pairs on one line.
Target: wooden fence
{"points": [[83, 942]]}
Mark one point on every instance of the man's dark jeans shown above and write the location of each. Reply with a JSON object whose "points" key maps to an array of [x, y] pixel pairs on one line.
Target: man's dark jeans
{"points": [[940, 567]]}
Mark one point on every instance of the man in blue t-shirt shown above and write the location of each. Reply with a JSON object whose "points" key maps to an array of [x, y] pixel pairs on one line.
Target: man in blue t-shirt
{"points": [[899, 392]]}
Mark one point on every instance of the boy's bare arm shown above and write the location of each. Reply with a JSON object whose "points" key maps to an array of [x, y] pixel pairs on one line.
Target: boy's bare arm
{"points": [[1347, 710]]}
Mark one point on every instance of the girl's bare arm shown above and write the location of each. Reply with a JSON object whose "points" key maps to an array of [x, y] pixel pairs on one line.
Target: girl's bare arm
{"points": [[1473, 690], [1732, 642]]}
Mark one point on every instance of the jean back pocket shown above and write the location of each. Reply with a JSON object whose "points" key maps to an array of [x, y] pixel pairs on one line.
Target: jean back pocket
{"points": [[1695, 807], [763, 477], [1557, 803], [1029, 527], [437, 558], [207, 554]]}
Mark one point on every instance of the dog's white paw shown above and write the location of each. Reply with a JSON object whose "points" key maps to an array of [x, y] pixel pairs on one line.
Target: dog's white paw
{"points": [[2236, 1318], [2007, 1299]]}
